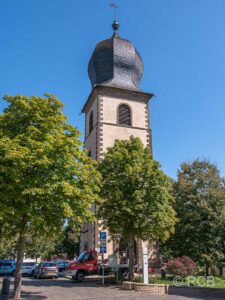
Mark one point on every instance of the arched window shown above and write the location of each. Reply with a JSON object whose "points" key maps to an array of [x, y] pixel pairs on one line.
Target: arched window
{"points": [[91, 121], [124, 115]]}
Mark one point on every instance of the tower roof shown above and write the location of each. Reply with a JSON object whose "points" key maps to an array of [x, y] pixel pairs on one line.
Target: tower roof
{"points": [[115, 62]]}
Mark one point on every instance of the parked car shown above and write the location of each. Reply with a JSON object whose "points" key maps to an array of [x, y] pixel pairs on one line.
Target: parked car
{"points": [[46, 270], [28, 268], [8, 268], [6, 260]]}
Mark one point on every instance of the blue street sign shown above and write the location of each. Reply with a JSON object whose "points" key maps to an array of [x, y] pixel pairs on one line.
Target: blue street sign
{"points": [[103, 250], [102, 235]]}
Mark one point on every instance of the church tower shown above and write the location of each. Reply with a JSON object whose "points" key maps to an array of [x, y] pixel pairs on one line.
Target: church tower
{"points": [[115, 109]]}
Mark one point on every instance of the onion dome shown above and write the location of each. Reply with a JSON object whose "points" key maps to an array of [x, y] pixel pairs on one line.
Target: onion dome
{"points": [[115, 62]]}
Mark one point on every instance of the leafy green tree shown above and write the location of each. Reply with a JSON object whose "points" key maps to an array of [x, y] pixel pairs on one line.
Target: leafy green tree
{"points": [[200, 205], [221, 257], [7, 242], [41, 246], [137, 201], [64, 244], [45, 178], [68, 244]]}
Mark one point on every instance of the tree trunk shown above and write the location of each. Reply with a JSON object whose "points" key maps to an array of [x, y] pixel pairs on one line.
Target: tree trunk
{"points": [[131, 258], [19, 260], [207, 269]]}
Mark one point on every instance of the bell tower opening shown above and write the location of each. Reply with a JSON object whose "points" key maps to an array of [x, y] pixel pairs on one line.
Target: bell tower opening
{"points": [[124, 115]]}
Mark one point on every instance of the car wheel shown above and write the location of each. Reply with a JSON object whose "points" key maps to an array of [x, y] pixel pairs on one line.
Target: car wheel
{"points": [[56, 277], [80, 276], [32, 274], [13, 273]]}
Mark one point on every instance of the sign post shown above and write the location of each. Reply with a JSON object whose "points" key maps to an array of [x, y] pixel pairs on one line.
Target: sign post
{"points": [[103, 270], [145, 265], [103, 249]]}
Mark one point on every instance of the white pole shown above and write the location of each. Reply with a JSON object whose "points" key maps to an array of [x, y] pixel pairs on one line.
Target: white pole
{"points": [[103, 270], [145, 265]]}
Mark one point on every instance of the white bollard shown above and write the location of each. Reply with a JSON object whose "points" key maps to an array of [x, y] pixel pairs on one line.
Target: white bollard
{"points": [[145, 265]]}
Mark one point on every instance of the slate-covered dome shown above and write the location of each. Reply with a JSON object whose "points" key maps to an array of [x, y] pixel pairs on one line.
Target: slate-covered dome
{"points": [[115, 62]]}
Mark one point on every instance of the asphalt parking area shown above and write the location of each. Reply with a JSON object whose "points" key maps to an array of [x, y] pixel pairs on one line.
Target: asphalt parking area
{"points": [[67, 289]]}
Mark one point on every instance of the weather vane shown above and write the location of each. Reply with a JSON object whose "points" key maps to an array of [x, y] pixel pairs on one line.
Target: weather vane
{"points": [[115, 6]]}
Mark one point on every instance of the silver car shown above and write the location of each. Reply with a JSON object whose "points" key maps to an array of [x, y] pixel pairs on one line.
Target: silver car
{"points": [[46, 270]]}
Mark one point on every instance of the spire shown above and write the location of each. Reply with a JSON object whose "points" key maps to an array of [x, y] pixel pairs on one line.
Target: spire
{"points": [[115, 24]]}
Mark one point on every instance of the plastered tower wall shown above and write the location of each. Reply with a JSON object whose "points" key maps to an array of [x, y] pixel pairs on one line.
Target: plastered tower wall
{"points": [[103, 103], [110, 130]]}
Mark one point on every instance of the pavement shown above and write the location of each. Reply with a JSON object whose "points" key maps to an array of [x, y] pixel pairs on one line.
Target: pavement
{"points": [[67, 289]]}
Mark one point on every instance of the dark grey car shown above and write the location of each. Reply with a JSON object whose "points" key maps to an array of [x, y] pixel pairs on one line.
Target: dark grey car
{"points": [[46, 270]]}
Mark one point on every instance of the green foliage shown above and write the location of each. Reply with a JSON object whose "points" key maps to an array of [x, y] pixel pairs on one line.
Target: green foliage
{"points": [[67, 245], [44, 175], [64, 244], [200, 206], [137, 202], [45, 178], [7, 242], [136, 192], [41, 245]]}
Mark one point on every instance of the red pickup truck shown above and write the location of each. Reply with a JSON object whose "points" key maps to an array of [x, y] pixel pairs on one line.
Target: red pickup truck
{"points": [[85, 264]]}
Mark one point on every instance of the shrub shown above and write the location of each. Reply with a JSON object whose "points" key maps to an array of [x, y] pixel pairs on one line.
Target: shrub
{"points": [[181, 266]]}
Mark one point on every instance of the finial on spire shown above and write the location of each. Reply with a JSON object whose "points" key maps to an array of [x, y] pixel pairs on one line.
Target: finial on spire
{"points": [[115, 24]]}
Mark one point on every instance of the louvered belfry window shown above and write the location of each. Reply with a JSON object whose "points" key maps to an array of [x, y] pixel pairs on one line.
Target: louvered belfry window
{"points": [[124, 115]]}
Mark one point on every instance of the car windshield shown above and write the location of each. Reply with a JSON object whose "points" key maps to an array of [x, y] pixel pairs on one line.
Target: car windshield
{"points": [[81, 256], [49, 265], [85, 256], [28, 264], [7, 264]]}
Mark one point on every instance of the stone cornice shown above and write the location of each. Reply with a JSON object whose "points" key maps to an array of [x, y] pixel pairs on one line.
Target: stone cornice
{"points": [[116, 93]]}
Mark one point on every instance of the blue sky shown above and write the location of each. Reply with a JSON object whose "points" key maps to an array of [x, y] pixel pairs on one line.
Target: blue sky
{"points": [[45, 46]]}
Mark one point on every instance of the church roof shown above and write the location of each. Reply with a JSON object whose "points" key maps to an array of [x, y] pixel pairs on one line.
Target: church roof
{"points": [[115, 62]]}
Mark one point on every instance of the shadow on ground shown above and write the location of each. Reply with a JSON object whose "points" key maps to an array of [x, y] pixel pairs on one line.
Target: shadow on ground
{"points": [[25, 295], [64, 282], [32, 295], [91, 288]]}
